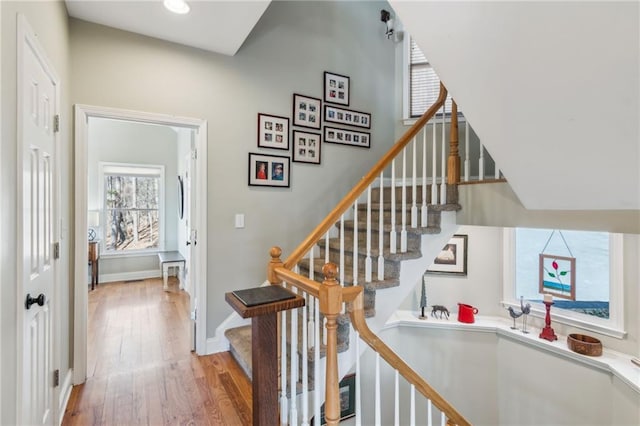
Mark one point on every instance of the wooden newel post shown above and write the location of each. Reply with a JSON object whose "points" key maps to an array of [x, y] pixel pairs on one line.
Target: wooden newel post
{"points": [[275, 262], [453, 163], [331, 306]]}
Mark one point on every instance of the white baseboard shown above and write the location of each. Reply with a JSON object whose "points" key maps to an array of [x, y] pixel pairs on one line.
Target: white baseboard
{"points": [[65, 394], [217, 344], [130, 276]]}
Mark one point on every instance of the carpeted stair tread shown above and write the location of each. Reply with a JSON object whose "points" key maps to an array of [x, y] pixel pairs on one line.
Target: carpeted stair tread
{"points": [[334, 245], [240, 346], [348, 226], [375, 284]]}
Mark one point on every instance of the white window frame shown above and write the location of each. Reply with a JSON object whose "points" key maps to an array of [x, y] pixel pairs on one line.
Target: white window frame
{"points": [[613, 326], [137, 170], [406, 86]]}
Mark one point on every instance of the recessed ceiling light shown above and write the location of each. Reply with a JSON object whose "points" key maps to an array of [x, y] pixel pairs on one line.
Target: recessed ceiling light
{"points": [[177, 6]]}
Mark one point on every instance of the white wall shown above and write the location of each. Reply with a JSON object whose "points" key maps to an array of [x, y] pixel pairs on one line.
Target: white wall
{"points": [[138, 143], [49, 21], [287, 52], [494, 380]]}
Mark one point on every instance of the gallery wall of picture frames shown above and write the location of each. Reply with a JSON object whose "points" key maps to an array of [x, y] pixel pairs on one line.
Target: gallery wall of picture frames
{"points": [[305, 144]]}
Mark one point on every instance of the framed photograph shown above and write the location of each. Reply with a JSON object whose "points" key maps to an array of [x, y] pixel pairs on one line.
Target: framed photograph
{"points": [[452, 259], [273, 131], [558, 276], [306, 111], [346, 116], [347, 392], [336, 88], [269, 170], [306, 147], [347, 137]]}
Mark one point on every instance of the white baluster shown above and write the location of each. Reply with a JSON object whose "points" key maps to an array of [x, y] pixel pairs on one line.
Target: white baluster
{"points": [[497, 171], [283, 370], [358, 394], [481, 163], [403, 232], [414, 188], [429, 418], [381, 230], [305, 363], [311, 327], [434, 164], [396, 411], [367, 262], [424, 217], [326, 247], [378, 399], [293, 374], [392, 235], [443, 419], [355, 243], [317, 381], [342, 250], [443, 169], [467, 162], [412, 421]]}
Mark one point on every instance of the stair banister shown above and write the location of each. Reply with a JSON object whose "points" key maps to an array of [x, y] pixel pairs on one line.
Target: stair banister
{"points": [[352, 196]]}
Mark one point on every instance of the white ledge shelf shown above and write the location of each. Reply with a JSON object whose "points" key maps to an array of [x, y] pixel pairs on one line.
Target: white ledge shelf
{"points": [[613, 362]]}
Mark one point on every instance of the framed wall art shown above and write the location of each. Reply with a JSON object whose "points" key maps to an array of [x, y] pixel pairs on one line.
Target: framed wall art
{"points": [[269, 170], [306, 111], [347, 137], [452, 259], [346, 116], [336, 88], [306, 147], [273, 131], [557, 276]]}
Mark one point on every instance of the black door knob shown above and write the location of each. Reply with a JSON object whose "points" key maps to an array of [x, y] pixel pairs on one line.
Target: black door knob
{"points": [[31, 300], [188, 243]]}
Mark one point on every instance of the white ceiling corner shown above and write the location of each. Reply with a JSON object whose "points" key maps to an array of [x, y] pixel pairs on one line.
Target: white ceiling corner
{"points": [[213, 25]]}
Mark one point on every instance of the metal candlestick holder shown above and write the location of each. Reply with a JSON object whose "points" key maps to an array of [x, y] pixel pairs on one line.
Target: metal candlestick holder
{"points": [[547, 332]]}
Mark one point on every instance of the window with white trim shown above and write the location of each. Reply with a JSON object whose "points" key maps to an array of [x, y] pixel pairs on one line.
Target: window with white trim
{"points": [[133, 199], [421, 81], [582, 270]]}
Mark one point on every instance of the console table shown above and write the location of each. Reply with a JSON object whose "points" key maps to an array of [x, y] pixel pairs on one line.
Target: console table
{"points": [[171, 259]]}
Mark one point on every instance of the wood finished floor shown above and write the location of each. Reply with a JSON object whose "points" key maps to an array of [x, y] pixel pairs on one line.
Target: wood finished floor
{"points": [[141, 371]]}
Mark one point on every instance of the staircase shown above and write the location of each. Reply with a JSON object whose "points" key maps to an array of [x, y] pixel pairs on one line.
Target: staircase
{"points": [[240, 337]]}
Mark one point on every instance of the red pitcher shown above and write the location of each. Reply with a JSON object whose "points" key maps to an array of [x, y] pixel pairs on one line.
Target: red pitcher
{"points": [[466, 313]]}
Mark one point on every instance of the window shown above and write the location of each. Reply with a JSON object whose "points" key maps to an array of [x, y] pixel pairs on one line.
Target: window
{"points": [[581, 269], [133, 201], [423, 84]]}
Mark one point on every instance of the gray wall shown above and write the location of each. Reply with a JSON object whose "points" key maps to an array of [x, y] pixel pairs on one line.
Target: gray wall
{"points": [[49, 22], [138, 143], [287, 52]]}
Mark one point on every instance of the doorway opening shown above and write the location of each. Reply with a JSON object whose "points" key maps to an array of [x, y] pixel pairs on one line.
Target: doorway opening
{"points": [[140, 190]]}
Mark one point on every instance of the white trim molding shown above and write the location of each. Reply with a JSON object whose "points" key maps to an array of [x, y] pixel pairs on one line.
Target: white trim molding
{"points": [[65, 394]]}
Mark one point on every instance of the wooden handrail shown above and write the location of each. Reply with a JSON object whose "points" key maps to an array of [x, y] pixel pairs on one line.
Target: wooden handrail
{"points": [[356, 312], [372, 175]]}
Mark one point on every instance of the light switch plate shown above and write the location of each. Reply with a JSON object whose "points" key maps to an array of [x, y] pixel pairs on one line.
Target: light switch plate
{"points": [[239, 220]]}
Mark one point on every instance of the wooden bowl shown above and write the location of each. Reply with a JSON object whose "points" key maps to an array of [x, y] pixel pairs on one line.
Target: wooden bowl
{"points": [[585, 345]]}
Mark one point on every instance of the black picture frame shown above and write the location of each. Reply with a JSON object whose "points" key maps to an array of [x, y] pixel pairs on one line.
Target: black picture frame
{"points": [[180, 197], [273, 131], [334, 114], [347, 137], [347, 392], [269, 170], [307, 111], [337, 88], [452, 260], [306, 147]]}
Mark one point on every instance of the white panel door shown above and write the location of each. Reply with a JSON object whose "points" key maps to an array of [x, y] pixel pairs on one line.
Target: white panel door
{"points": [[37, 208]]}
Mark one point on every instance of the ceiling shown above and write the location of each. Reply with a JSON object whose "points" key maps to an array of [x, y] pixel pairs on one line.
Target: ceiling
{"points": [[213, 25]]}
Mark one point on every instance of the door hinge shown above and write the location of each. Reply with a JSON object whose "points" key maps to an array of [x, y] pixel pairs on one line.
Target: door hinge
{"points": [[56, 123], [194, 154], [56, 250], [56, 378]]}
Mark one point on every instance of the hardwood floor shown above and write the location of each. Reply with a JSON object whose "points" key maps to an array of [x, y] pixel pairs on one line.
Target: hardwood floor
{"points": [[140, 368]]}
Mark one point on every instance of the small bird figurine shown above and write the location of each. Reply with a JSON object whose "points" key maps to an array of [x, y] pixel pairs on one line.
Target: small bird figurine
{"points": [[526, 310], [513, 314]]}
